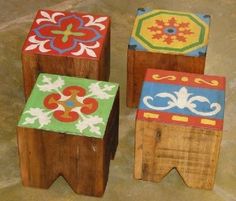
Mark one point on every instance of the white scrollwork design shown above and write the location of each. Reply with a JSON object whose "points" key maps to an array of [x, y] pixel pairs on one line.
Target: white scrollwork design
{"points": [[87, 49], [95, 22], [47, 17], [182, 99], [37, 44]]}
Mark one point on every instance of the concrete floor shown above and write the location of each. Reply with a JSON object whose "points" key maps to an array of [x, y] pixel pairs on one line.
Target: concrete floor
{"points": [[15, 19]]}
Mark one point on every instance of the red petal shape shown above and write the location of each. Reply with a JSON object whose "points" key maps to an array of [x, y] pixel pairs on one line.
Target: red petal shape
{"points": [[181, 38], [59, 115], [153, 29], [157, 36], [168, 40], [89, 101], [172, 22], [69, 90], [50, 101], [187, 32], [160, 23], [183, 24]]}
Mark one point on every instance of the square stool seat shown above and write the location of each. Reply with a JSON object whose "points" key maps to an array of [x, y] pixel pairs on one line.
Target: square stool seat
{"points": [[69, 128], [67, 43], [179, 125], [168, 40]]}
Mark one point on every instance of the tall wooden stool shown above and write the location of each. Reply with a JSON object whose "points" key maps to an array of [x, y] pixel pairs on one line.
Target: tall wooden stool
{"points": [[167, 40], [69, 128], [64, 43], [179, 125]]}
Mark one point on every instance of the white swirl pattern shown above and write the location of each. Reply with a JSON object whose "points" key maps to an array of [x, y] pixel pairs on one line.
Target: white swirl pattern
{"points": [[182, 99]]}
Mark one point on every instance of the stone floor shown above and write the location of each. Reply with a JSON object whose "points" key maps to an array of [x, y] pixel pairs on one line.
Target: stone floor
{"points": [[15, 20]]}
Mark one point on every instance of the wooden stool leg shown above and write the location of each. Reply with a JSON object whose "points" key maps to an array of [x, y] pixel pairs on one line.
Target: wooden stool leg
{"points": [[194, 153], [196, 178], [36, 169], [83, 165], [201, 174], [114, 127]]}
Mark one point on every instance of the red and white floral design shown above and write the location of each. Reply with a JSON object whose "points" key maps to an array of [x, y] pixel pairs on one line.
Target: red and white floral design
{"points": [[69, 34]]}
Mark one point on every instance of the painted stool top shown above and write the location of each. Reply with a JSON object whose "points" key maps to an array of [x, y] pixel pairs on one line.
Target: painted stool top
{"points": [[183, 98], [170, 32], [67, 34], [69, 105]]}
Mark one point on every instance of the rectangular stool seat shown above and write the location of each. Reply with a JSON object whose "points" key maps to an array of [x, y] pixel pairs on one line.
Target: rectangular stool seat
{"points": [[168, 40], [179, 125], [69, 127], [65, 43]]}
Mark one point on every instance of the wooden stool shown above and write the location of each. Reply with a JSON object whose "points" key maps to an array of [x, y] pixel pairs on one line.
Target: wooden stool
{"points": [[69, 128], [179, 125], [167, 40], [64, 43]]}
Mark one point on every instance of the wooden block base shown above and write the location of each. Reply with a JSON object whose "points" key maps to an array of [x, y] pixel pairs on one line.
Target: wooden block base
{"points": [[82, 161], [192, 151]]}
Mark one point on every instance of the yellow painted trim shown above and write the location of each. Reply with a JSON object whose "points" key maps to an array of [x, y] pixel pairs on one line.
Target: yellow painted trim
{"points": [[208, 122], [179, 118], [184, 79], [211, 83], [158, 77], [151, 115]]}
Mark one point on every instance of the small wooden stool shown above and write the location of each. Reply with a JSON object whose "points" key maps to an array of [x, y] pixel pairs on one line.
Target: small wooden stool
{"points": [[179, 125], [69, 128], [64, 43], [167, 40]]}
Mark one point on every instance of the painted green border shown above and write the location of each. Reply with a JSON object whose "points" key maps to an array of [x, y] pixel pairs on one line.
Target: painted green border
{"points": [[200, 40]]}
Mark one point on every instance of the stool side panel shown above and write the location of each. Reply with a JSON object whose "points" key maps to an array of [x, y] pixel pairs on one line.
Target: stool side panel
{"points": [[34, 64], [193, 152], [38, 163], [105, 58], [30, 72], [138, 147], [91, 167], [111, 137], [44, 156]]}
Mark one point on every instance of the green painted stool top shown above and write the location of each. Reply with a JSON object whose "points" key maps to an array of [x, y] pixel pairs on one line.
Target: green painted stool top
{"points": [[170, 32], [69, 105]]}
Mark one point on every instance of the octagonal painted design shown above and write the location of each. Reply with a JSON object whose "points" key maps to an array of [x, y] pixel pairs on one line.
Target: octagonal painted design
{"points": [[170, 32]]}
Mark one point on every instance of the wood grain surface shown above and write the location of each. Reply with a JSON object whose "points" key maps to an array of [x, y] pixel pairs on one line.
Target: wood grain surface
{"points": [[192, 151], [82, 161]]}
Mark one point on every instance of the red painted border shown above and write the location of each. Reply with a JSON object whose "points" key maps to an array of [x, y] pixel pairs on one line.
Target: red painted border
{"points": [[179, 78], [98, 51], [164, 117]]}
